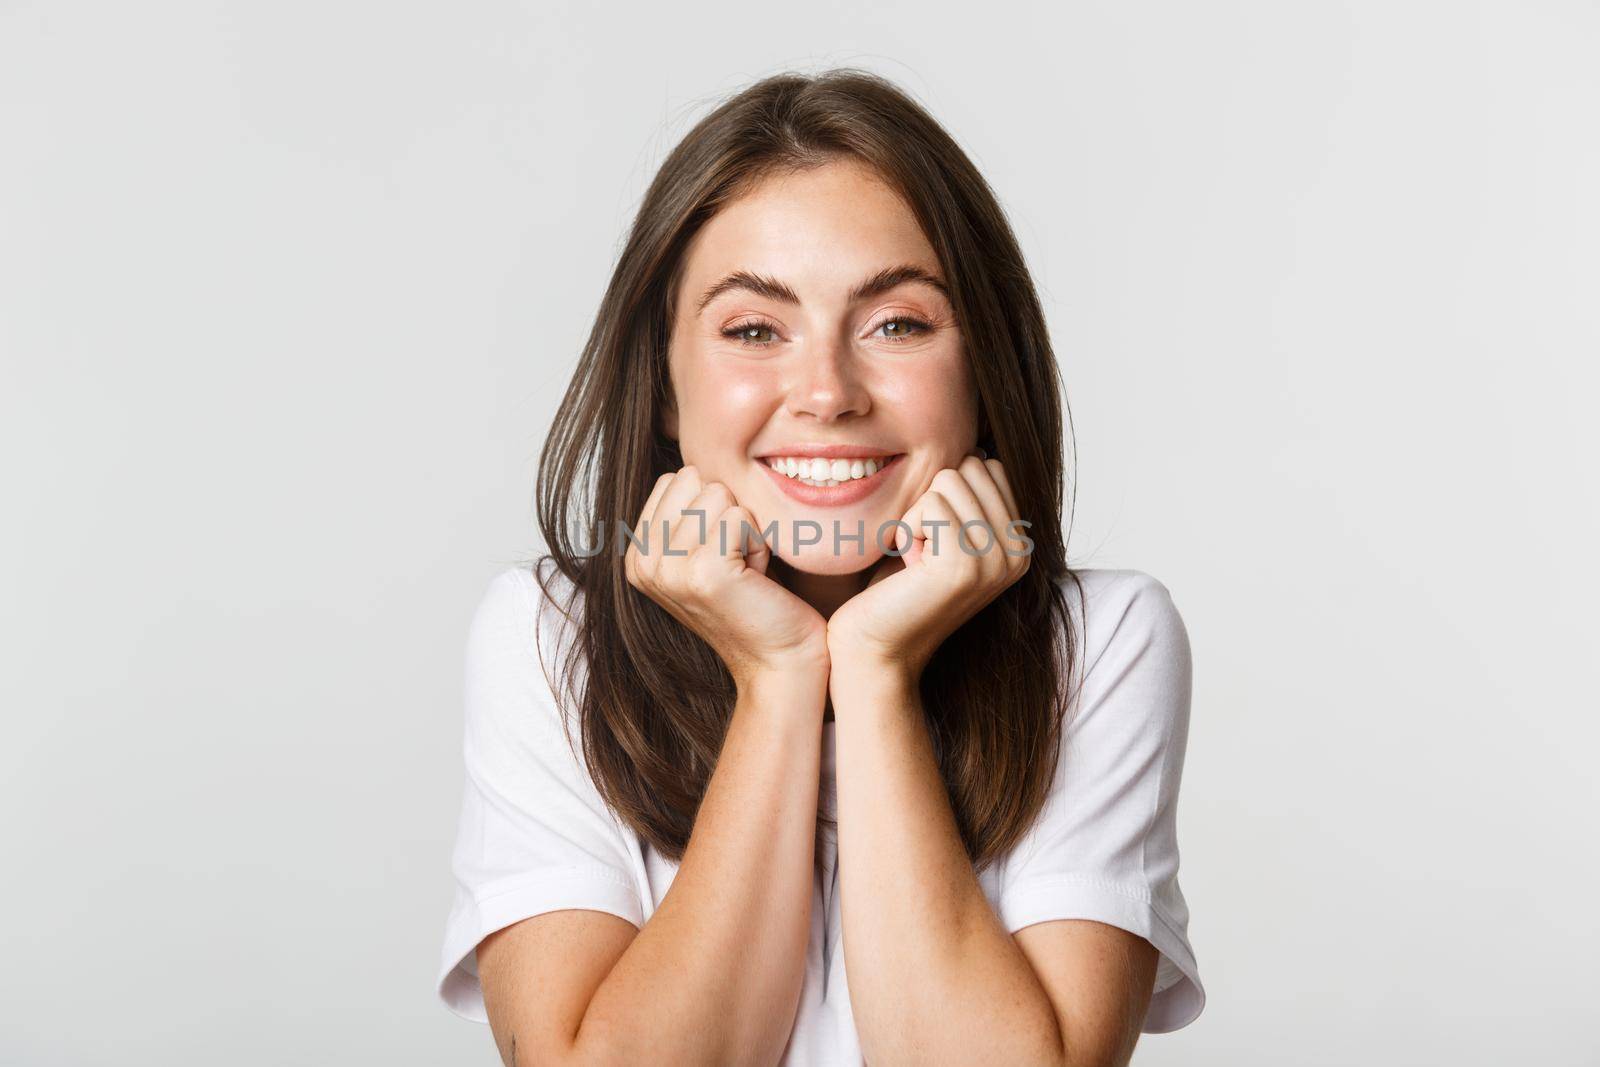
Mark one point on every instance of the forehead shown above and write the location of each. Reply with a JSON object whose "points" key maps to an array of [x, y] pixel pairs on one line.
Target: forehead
{"points": [[820, 230]]}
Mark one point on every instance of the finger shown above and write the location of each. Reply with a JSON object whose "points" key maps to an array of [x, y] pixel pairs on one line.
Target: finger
{"points": [[1012, 540], [658, 487], [1010, 535], [684, 487], [642, 524], [939, 540], [962, 497], [995, 514], [933, 524], [996, 509], [744, 539], [651, 502], [693, 528], [998, 472]]}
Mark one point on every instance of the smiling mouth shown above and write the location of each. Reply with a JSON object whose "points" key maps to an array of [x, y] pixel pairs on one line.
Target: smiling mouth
{"points": [[828, 473]]}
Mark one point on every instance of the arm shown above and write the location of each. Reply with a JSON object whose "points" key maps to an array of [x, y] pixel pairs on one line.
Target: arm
{"points": [[581, 987], [934, 976], [714, 976]]}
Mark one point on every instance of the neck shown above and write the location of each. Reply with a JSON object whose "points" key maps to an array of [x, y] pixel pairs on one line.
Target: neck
{"points": [[825, 592]]}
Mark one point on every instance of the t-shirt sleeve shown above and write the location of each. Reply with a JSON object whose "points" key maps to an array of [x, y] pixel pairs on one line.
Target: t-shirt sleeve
{"points": [[1105, 846], [534, 834]]}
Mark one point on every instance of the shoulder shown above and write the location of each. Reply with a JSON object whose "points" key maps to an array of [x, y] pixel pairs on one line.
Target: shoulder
{"points": [[527, 590], [517, 643], [1130, 633], [1115, 607], [520, 602]]}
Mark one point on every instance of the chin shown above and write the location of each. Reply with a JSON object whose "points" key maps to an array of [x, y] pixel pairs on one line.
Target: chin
{"points": [[822, 560], [827, 556]]}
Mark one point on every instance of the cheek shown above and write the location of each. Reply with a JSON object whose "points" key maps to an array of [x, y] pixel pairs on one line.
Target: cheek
{"points": [[932, 406], [724, 409]]}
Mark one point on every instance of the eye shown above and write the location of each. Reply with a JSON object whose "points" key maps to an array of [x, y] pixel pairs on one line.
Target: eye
{"points": [[905, 328], [742, 332]]}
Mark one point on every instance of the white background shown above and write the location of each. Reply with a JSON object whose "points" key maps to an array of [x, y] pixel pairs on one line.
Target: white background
{"points": [[288, 294]]}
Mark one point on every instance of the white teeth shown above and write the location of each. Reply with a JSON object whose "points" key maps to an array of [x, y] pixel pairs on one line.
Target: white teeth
{"points": [[814, 470]]}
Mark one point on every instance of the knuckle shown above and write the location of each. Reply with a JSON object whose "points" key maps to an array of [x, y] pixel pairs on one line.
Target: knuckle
{"points": [[699, 579], [644, 569], [668, 579]]}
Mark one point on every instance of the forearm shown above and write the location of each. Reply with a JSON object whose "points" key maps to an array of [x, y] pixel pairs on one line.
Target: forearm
{"points": [[714, 976], [934, 976]]}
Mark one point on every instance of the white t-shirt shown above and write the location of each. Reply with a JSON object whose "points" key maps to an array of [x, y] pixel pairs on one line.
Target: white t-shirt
{"points": [[535, 836]]}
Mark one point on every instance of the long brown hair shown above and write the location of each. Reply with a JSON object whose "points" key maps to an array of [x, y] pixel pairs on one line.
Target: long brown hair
{"points": [[653, 698]]}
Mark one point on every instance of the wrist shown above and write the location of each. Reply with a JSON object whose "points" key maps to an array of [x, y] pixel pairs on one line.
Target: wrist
{"points": [[802, 677], [877, 671]]}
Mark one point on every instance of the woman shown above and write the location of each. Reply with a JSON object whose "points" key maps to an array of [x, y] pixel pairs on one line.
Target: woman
{"points": [[772, 774]]}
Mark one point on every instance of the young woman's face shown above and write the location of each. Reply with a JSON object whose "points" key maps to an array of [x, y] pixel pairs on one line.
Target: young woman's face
{"points": [[798, 360]]}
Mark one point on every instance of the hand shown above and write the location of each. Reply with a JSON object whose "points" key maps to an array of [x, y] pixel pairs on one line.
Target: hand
{"points": [[917, 599], [715, 582]]}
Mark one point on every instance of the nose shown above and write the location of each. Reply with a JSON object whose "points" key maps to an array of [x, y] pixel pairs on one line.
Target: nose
{"points": [[826, 384]]}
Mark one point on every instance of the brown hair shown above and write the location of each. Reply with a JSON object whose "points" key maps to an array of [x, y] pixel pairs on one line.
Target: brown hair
{"points": [[655, 699]]}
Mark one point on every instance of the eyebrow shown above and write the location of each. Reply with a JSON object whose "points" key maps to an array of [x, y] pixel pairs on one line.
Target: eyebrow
{"points": [[771, 288]]}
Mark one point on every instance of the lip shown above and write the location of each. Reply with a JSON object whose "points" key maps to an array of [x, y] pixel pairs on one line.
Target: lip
{"points": [[822, 496], [821, 451]]}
